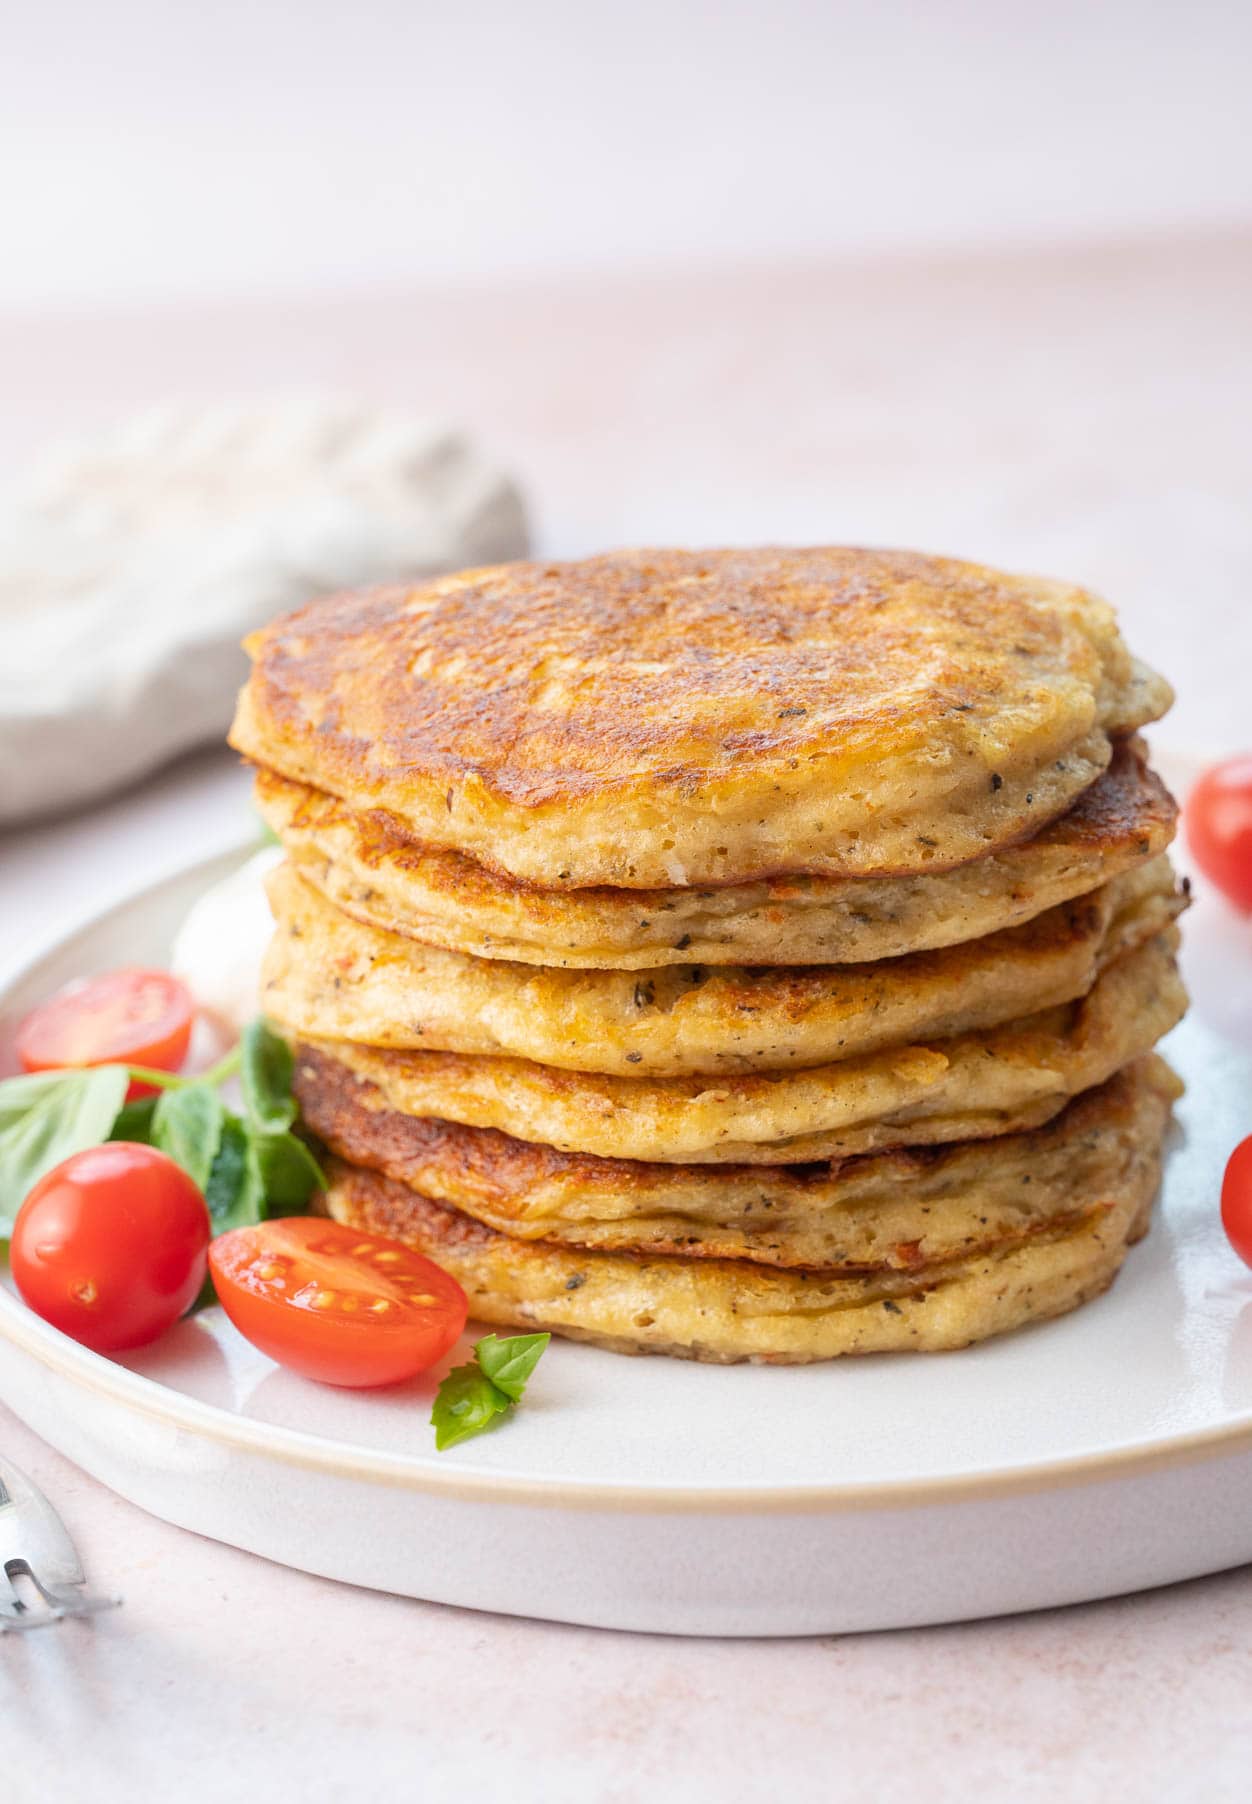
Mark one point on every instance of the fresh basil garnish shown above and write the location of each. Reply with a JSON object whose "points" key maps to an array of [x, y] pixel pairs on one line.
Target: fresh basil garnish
{"points": [[266, 1069], [187, 1124], [19, 1095], [473, 1397], [45, 1118], [234, 1191], [289, 1172], [248, 1166], [467, 1403], [134, 1121], [509, 1363]]}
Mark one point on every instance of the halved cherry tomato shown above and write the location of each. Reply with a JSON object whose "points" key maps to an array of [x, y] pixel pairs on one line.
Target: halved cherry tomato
{"points": [[128, 1017], [1237, 1200], [333, 1304], [111, 1245], [1218, 818]]}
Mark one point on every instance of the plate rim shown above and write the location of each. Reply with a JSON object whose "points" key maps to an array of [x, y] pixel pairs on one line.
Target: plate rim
{"points": [[65, 1358], [345, 1459]]}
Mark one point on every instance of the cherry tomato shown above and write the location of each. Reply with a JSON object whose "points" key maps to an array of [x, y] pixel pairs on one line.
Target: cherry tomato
{"points": [[111, 1246], [347, 1308], [1237, 1200], [1219, 828], [128, 1017]]}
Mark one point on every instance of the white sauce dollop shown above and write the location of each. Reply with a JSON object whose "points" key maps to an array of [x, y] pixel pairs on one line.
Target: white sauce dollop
{"points": [[219, 947]]}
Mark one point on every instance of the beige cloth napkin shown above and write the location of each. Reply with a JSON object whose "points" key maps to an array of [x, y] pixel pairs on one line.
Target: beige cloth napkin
{"points": [[131, 566]]}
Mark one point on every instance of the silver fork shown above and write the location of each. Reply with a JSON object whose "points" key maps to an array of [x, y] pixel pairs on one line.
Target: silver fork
{"points": [[34, 1545]]}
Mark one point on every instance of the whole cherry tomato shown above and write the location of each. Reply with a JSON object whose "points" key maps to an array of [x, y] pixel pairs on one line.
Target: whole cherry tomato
{"points": [[111, 1246], [1218, 819], [1237, 1200]]}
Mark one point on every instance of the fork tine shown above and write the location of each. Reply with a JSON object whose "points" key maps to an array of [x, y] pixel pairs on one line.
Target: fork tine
{"points": [[59, 1602], [21, 1623], [34, 1544], [65, 1600], [13, 1612]]}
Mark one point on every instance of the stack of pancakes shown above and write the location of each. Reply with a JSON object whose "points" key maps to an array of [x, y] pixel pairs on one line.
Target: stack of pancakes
{"points": [[741, 955]]}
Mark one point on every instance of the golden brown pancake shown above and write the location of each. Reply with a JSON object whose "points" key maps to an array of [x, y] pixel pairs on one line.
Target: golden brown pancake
{"points": [[904, 1209], [968, 1087], [727, 1310], [384, 879], [670, 718], [327, 977]]}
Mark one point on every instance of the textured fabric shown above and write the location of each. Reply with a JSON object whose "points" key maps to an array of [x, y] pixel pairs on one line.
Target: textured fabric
{"points": [[131, 567]]}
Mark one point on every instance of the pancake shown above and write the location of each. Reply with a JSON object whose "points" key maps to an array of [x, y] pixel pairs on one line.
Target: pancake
{"points": [[328, 977], [729, 1310], [901, 1210], [969, 1087], [384, 879], [669, 718]]}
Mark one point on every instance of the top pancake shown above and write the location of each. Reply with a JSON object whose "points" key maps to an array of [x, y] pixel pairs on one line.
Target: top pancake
{"points": [[659, 718]]}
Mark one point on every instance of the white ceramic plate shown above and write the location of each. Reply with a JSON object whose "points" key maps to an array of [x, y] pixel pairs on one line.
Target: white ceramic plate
{"points": [[1103, 1453]]}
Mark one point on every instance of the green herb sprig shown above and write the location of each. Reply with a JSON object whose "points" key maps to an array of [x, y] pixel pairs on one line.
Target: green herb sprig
{"points": [[44, 1118], [249, 1165], [474, 1397]]}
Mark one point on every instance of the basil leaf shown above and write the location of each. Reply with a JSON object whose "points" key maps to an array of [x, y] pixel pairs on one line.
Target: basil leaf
{"points": [[472, 1396], [466, 1403], [234, 1192], [266, 1068], [18, 1095], [289, 1173], [187, 1124], [134, 1121], [509, 1363], [60, 1118]]}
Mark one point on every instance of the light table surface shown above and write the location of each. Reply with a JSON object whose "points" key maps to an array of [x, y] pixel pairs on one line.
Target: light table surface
{"points": [[1085, 414]]}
